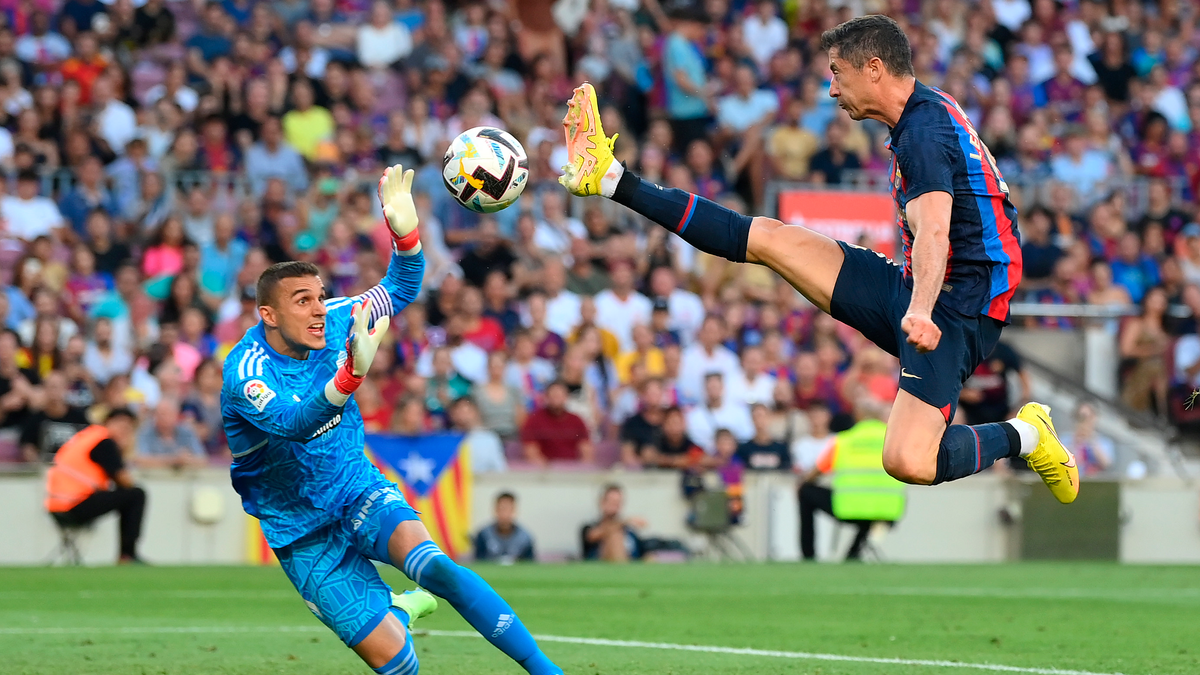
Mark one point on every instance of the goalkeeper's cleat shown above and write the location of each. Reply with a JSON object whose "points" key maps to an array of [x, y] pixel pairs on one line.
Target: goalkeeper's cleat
{"points": [[589, 151], [416, 603], [1051, 459]]}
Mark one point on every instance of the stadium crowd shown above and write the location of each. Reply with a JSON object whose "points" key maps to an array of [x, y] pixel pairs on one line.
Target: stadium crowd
{"points": [[160, 154]]}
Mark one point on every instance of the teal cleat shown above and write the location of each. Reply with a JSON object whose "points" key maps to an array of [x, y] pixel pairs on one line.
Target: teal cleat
{"points": [[416, 603]]}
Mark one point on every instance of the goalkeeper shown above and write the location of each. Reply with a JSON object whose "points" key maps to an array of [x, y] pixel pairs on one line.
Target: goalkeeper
{"points": [[297, 440]]}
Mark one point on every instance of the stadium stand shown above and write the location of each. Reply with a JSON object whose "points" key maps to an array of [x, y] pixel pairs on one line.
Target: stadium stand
{"points": [[160, 154]]}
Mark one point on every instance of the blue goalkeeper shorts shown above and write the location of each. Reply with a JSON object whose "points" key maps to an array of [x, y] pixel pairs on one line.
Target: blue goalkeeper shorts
{"points": [[332, 568]]}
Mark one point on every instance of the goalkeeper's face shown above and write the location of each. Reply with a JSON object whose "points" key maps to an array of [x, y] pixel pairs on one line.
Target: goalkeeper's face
{"points": [[298, 312]]}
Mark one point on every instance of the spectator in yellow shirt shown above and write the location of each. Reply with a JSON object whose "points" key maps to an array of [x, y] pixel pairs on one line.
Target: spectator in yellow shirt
{"points": [[306, 125], [643, 352]]}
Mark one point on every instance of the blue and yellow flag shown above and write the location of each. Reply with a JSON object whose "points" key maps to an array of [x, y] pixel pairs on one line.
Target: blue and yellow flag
{"points": [[434, 473]]}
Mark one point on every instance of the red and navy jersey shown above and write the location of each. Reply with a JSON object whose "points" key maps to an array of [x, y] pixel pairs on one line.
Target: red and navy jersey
{"points": [[935, 149]]}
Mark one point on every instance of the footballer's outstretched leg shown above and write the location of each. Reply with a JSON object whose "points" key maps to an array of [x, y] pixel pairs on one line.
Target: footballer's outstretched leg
{"points": [[412, 551], [941, 314]]}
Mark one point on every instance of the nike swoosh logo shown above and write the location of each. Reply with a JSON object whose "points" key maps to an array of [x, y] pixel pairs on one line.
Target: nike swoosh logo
{"points": [[1070, 463], [905, 373]]}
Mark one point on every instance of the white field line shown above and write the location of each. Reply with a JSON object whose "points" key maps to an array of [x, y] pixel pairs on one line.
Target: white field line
{"points": [[594, 642], [808, 656]]}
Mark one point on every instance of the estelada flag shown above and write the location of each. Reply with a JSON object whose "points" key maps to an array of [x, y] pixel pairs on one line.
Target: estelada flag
{"points": [[434, 473]]}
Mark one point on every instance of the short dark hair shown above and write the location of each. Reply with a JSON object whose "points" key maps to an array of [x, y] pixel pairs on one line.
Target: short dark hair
{"points": [[120, 412], [506, 495], [270, 278], [861, 39]]}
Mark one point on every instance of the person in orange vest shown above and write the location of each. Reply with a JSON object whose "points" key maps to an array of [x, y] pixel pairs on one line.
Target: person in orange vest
{"points": [[88, 479]]}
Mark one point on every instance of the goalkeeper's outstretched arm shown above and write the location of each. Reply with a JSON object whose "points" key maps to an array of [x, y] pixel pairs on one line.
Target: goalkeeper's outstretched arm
{"points": [[402, 282], [300, 415]]}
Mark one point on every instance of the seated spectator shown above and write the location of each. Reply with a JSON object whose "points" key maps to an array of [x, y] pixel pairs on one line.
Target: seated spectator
{"points": [[621, 307], [673, 448], [717, 412], [501, 406], [272, 157], [553, 434], [643, 353], [706, 355], [496, 302], [489, 253], [642, 429], [1143, 342], [87, 195], [832, 164], [754, 384], [660, 325], [27, 215], [504, 541], [165, 443], [1134, 270], [89, 479], [445, 384], [487, 450], [1103, 291], [808, 448], [1093, 450], [202, 409], [467, 358], [52, 421], [1038, 249], [548, 344], [613, 537], [102, 358], [482, 330], [528, 372], [762, 452], [1086, 170]]}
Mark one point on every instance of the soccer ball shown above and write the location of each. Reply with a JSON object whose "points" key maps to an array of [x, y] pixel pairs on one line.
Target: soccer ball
{"points": [[486, 169]]}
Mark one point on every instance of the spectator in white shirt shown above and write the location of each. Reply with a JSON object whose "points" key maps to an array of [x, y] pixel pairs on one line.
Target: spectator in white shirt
{"points": [[556, 229], [562, 306], [754, 386], [706, 355], [620, 307], [764, 33], [383, 41], [747, 105], [28, 215], [684, 307], [807, 449], [468, 359], [715, 413], [487, 452], [102, 358], [42, 47], [117, 121]]}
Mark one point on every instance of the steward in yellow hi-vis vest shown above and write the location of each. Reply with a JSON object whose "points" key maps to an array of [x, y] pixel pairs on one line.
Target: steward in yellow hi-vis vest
{"points": [[862, 492]]}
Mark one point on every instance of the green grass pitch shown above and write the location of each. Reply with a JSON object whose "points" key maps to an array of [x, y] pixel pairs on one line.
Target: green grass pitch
{"points": [[1091, 618]]}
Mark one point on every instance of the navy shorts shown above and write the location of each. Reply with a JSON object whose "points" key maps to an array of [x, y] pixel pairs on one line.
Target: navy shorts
{"points": [[332, 568], [870, 296]]}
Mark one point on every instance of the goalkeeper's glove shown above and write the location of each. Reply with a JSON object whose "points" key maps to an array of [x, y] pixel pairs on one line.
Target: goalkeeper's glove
{"points": [[361, 346], [395, 195]]}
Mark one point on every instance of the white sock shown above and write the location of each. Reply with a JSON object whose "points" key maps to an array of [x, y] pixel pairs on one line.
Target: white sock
{"points": [[608, 182], [1028, 434]]}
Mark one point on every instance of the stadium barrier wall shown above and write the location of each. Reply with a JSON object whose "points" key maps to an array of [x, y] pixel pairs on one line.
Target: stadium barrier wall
{"points": [[1149, 521]]}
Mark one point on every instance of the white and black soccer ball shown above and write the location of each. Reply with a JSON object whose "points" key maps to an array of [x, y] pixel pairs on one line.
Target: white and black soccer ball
{"points": [[486, 169]]}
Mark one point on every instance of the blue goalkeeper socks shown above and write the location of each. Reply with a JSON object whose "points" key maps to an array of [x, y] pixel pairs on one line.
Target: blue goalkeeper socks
{"points": [[968, 450], [481, 606], [404, 663], [708, 226]]}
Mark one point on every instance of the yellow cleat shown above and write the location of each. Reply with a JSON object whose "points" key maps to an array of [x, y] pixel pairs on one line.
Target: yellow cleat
{"points": [[589, 151], [1051, 459]]}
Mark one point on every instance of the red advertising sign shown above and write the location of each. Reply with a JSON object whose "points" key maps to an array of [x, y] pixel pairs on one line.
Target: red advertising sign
{"points": [[863, 218]]}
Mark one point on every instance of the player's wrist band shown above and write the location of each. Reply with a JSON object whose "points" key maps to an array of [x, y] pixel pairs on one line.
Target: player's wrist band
{"points": [[346, 381], [408, 241]]}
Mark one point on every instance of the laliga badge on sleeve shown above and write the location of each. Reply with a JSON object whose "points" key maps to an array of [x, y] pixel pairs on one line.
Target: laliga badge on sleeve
{"points": [[258, 394]]}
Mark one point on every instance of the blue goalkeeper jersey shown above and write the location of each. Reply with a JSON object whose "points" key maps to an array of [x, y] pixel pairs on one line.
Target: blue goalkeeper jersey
{"points": [[298, 460]]}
